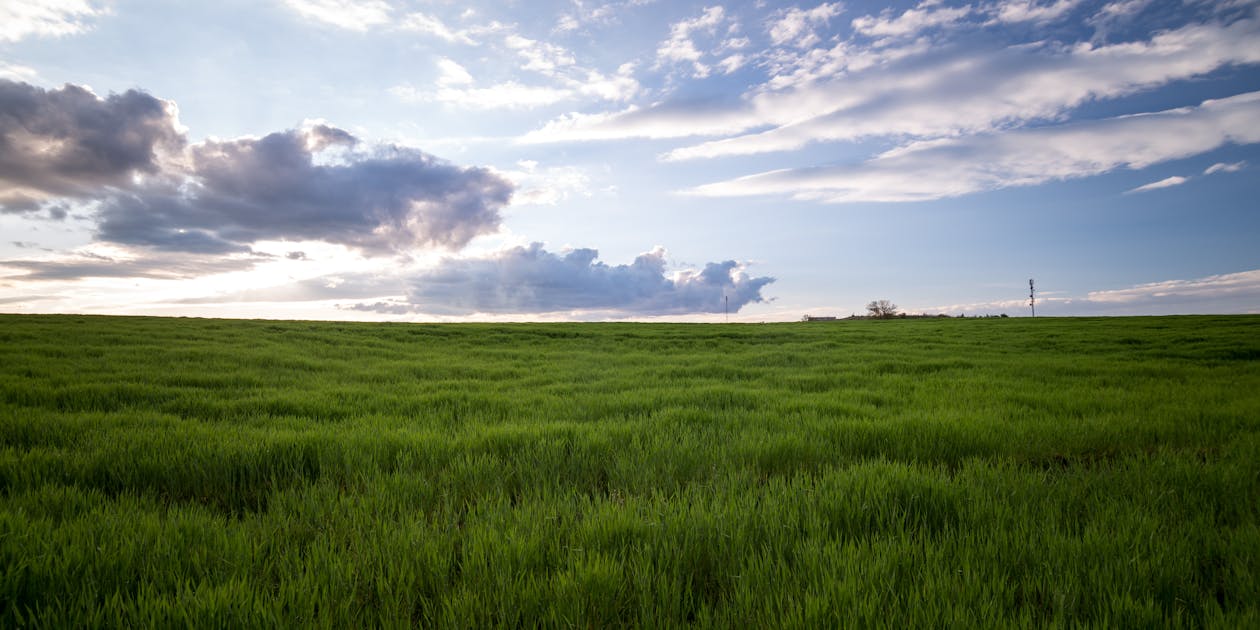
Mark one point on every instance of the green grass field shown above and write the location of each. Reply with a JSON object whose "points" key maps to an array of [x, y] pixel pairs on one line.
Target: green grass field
{"points": [[929, 473]]}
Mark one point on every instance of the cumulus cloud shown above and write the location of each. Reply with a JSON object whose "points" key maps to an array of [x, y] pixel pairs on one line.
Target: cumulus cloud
{"points": [[69, 142], [934, 169], [534, 280], [385, 199], [126, 156], [48, 18]]}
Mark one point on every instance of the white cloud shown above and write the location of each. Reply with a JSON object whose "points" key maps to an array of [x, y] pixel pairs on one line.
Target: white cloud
{"points": [[506, 95], [431, 25], [1222, 167], [1167, 182], [546, 186], [636, 122], [15, 72], [539, 56], [1220, 286], [928, 14], [680, 47], [1114, 13], [1225, 293], [1014, 11], [933, 169], [46, 18], [975, 92], [451, 73], [355, 15], [796, 26], [732, 63], [455, 85]]}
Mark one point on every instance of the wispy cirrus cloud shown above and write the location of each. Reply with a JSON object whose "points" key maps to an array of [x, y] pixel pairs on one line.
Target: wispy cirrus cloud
{"points": [[964, 91], [1167, 182], [1222, 293], [47, 18], [354, 15], [934, 169], [916, 89]]}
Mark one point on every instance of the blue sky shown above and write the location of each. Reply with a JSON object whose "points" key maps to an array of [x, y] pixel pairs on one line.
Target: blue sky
{"points": [[443, 161]]}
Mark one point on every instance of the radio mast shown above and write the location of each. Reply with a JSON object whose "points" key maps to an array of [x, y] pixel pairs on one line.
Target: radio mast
{"points": [[1032, 297]]}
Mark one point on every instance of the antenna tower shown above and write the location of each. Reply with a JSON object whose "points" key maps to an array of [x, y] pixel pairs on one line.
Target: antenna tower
{"points": [[1032, 297]]}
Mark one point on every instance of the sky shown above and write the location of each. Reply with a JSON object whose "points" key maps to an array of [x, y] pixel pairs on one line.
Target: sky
{"points": [[409, 160]]}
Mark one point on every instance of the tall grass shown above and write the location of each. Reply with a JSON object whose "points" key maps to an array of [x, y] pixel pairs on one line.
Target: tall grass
{"points": [[926, 472]]}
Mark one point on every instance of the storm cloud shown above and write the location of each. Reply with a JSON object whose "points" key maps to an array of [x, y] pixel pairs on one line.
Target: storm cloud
{"points": [[71, 143], [533, 280], [151, 188]]}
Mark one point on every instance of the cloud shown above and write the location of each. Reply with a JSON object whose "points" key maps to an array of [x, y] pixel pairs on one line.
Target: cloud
{"points": [[532, 280], [331, 287], [1016, 11], [933, 169], [380, 200], [546, 186], [681, 48], [913, 88], [156, 265], [71, 143], [16, 72], [46, 18], [1225, 293], [1167, 182], [125, 156], [926, 15], [958, 91], [455, 85], [431, 25], [1245, 283], [1222, 167], [795, 26], [354, 15]]}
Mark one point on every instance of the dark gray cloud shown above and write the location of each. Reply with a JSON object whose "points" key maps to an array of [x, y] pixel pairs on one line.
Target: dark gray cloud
{"points": [[69, 142], [533, 280], [220, 196], [246, 190]]}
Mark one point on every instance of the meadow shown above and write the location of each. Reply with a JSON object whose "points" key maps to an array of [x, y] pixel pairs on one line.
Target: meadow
{"points": [[927, 473]]}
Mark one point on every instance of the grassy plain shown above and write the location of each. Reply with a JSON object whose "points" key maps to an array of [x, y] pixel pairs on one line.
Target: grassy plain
{"points": [[964, 473]]}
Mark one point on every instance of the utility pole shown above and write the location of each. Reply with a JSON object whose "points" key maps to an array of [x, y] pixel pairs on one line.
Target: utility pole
{"points": [[1032, 297], [727, 309]]}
